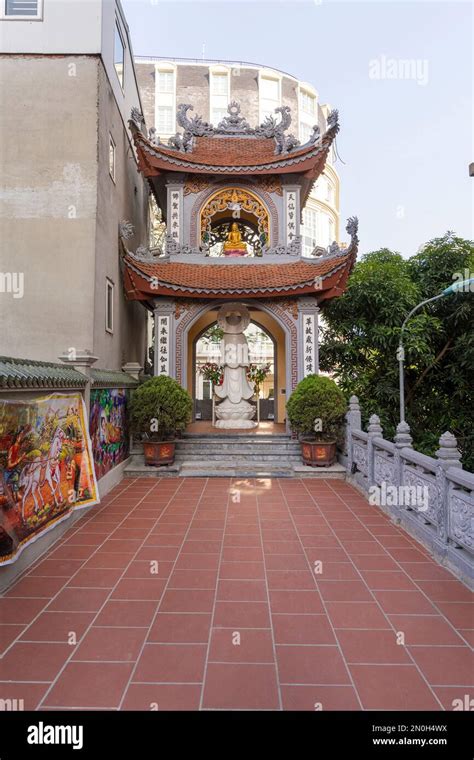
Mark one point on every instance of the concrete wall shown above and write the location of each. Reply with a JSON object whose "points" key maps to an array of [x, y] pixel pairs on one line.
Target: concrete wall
{"points": [[126, 198], [66, 27], [48, 168]]}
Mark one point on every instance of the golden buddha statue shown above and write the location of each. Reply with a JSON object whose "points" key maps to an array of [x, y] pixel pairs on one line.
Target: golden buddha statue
{"points": [[234, 240]]}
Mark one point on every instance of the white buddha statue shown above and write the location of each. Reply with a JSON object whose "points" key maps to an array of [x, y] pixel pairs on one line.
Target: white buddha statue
{"points": [[234, 411]]}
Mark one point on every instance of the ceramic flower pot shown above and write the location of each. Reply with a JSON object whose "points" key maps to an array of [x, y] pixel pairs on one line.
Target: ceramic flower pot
{"points": [[159, 452], [318, 453]]}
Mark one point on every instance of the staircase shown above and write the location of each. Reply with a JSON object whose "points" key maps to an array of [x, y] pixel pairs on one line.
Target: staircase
{"points": [[239, 455]]}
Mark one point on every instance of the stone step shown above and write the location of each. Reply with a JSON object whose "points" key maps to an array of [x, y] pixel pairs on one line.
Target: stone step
{"points": [[238, 456], [232, 469]]}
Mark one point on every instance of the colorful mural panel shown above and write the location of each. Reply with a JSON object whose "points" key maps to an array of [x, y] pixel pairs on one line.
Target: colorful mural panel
{"points": [[46, 467], [108, 428]]}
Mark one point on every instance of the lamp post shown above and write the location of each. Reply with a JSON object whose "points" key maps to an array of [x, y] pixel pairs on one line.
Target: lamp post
{"points": [[463, 285]]}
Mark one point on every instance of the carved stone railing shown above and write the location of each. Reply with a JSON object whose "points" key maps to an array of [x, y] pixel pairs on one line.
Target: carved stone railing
{"points": [[431, 497]]}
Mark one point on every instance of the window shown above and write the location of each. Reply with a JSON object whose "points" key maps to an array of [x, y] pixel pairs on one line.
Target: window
{"points": [[219, 84], [269, 96], [165, 101], [310, 230], [112, 157], [306, 131], [217, 114], [307, 103], [109, 305], [165, 81], [119, 53], [30, 8], [164, 120]]}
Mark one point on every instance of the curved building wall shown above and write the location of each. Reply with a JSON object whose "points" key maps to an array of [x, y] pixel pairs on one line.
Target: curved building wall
{"points": [[210, 85]]}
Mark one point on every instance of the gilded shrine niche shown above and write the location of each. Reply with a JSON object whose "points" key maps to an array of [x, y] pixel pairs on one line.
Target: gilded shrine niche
{"points": [[234, 215]]}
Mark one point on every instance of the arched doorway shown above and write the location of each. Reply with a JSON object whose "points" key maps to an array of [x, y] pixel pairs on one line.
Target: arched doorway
{"points": [[273, 346], [263, 352]]}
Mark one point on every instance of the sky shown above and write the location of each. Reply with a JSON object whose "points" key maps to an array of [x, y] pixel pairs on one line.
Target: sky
{"points": [[406, 138]]}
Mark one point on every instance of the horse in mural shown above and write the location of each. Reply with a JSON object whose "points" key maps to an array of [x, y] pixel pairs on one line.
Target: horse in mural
{"points": [[43, 470]]}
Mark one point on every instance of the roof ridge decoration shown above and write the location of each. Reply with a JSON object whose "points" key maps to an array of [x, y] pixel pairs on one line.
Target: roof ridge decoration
{"points": [[234, 123]]}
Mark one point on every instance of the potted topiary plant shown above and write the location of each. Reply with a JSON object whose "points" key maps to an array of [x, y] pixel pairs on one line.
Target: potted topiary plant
{"points": [[316, 410], [159, 408]]}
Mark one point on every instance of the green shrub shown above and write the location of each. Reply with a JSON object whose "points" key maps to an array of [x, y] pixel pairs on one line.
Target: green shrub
{"points": [[317, 398], [160, 407]]}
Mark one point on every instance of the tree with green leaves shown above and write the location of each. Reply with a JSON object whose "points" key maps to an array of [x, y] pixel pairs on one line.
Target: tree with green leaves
{"points": [[360, 341]]}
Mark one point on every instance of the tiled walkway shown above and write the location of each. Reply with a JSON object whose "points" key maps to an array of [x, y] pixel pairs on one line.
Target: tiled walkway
{"points": [[190, 593]]}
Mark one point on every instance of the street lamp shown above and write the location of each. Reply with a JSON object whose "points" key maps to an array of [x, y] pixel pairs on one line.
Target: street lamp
{"points": [[463, 285]]}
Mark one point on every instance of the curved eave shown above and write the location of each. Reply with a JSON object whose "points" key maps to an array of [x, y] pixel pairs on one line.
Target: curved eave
{"points": [[145, 281], [309, 160]]}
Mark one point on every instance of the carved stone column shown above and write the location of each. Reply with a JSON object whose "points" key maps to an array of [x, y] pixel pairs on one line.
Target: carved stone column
{"points": [[165, 338], [447, 456], [308, 337]]}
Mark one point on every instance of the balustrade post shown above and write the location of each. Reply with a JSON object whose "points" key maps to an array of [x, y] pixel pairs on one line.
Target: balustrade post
{"points": [[447, 456], [374, 430], [353, 422]]}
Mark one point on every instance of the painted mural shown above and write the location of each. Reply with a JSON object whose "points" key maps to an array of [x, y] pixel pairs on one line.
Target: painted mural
{"points": [[46, 467], [108, 428]]}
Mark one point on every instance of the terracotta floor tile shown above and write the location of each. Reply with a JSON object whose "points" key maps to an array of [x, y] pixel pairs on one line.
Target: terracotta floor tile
{"points": [[8, 634], [300, 601], [460, 614], [249, 645], [338, 571], [241, 687], [311, 664], [446, 591], [74, 686], [454, 666], [282, 547], [425, 629], [33, 662], [203, 579], [286, 562], [144, 696], [143, 569], [108, 561], [111, 644], [171, 663], [356, 615], [28, 695], [79, 600], [58, 567], [426, 571], [242, 591], [201, 547], [371, 647], [242, 554], [341, 591], [139, 589], [197, 562], [178, 600], [404, 602], [57, 626], [158, 553], [95, 578], [302, 629], [392, 687], [30, 586], [313, 698], [242, 571], [383, 579], [241, 615], [455, 698], [127, 613], [181, 627], [291, 579]]}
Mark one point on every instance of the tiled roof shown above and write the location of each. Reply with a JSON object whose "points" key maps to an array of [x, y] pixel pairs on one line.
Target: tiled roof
{"points": [[108, 378], [213, 280], [233, 155], [26, 373]]}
